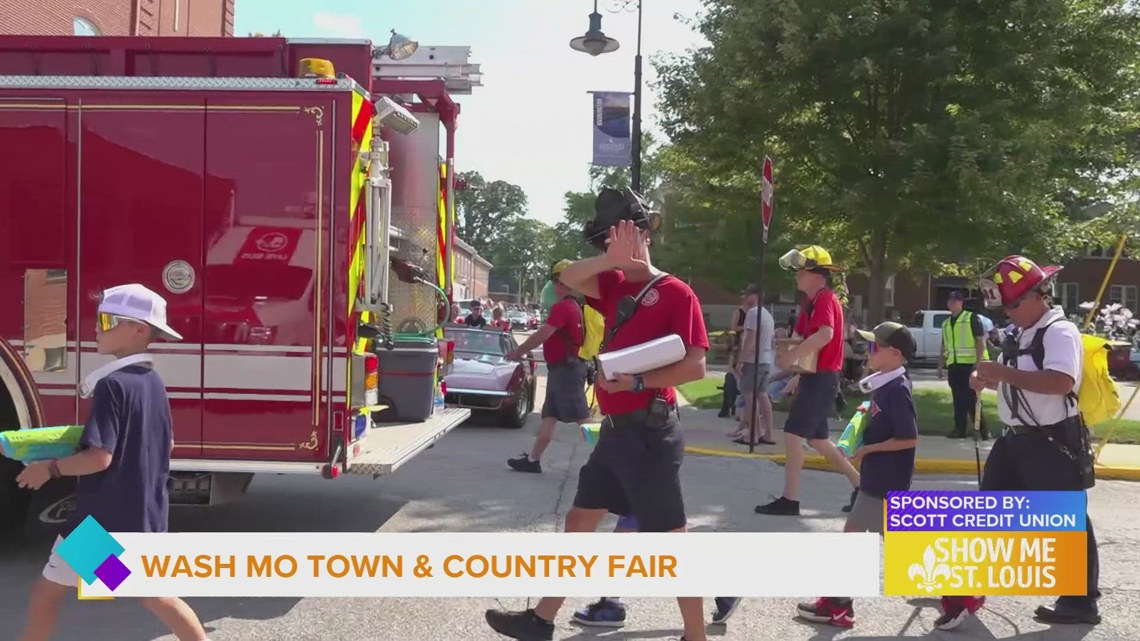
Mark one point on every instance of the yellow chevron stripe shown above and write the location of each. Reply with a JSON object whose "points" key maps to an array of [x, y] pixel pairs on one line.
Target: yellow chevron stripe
{"points": [[357, 187]]}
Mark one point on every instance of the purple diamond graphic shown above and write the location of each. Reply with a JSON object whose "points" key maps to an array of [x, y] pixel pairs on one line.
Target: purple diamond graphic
{"points": [[112, 572]]}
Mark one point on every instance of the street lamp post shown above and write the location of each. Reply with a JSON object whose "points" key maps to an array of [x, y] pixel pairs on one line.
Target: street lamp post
{"points": [[595, 43]]}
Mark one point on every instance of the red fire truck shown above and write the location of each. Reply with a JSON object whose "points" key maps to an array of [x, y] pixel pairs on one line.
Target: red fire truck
{"points": [[264, 186]]}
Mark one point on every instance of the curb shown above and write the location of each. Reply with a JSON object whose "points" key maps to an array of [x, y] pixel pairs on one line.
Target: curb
{"points": [[922, 466]]}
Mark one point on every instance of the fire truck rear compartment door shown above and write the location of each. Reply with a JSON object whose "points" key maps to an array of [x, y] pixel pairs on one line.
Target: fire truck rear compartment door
{"points": [[389, 446]]}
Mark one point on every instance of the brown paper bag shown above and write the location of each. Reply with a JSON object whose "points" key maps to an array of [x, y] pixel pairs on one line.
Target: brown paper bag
{"points": [[804, 364]]}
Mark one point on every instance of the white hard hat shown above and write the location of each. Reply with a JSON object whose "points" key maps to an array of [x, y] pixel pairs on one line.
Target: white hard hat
{"points": [[138, 303]]}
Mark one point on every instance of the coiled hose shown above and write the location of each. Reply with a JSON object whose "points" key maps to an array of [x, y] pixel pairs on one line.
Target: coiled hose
{"points": [[417, 326]]}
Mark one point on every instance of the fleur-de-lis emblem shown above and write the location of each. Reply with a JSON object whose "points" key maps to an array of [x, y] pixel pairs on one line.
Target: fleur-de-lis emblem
{"points": [[929, 572]]}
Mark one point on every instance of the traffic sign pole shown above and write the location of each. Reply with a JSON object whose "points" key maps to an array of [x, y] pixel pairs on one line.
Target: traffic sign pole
{"points": [[766, 193]]}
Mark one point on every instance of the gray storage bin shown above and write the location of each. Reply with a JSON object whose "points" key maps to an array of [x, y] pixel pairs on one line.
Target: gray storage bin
{"points": [[407, 380]]}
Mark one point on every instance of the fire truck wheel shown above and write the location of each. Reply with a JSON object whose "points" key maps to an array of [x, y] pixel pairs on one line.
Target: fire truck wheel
{"points": [[515, 416], [14, 501], [50, 508]]}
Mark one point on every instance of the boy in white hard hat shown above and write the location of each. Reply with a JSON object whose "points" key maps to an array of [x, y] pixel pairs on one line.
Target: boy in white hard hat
{"points": [[123, 461]]}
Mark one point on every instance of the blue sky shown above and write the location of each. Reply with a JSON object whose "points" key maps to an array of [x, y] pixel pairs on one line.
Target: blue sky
{"points": [[529, 123]]}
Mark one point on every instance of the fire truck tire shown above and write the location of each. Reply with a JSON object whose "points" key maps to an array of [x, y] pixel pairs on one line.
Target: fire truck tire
{"points": [[14, 501], [49, 508]]}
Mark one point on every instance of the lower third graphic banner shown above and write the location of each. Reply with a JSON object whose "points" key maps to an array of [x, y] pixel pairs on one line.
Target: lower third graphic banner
{"points": [[612, 140], [943, 543], [464, 564]]}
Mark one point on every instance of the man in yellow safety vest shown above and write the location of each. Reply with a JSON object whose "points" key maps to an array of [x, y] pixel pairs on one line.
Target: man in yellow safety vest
{"points": [[963, 346]]}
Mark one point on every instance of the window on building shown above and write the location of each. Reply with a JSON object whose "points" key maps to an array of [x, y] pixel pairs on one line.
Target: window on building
{"points": [[84, 27], [889, 294], [1123, 294], [1069, 296]]}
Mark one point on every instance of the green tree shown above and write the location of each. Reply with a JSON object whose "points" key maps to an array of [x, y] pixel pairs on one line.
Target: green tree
{"points": [[911, 134], [578, 208], [485, 210], [261, 34], [521, 255]]}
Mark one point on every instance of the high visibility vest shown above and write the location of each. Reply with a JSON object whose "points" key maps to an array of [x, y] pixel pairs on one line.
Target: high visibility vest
{"points": [[958, 343]]}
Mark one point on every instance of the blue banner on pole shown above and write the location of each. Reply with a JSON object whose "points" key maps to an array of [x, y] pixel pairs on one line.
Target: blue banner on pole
{"points": [[612, 140]]}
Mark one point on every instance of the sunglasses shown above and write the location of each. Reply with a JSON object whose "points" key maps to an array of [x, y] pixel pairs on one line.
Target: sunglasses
{"points": [[106, 322], [874, 348]]}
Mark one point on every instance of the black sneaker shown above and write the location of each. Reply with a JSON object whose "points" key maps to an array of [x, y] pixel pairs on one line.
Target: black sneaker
{"points": [[603, 613], [1070, 610], [780, 507], [851, 504], [524, 464], [725, 608], [523, 626]]}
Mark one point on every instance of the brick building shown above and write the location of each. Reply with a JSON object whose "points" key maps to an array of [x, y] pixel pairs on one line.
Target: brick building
{"points": [[1078, 283], [117, 17], [472, 272]]}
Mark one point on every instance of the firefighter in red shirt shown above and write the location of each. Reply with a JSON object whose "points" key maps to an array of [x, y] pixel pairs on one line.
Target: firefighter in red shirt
{"points": [[561, 336], [635, 467], [821, 326]]}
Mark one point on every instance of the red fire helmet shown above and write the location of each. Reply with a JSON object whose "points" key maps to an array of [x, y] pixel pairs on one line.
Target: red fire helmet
{"points": [[1012, 278]]}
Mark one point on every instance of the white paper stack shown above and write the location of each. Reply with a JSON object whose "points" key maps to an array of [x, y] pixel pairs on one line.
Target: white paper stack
{"points": [[642, 358]]}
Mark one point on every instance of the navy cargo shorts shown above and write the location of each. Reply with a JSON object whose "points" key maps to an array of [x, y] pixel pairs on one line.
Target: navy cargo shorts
{"points": [[566, 392], [812, 406], [635, 470]]}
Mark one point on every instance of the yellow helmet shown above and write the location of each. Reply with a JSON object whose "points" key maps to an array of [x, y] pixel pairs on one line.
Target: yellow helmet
{"points": [[808, 257], [559, 266]]}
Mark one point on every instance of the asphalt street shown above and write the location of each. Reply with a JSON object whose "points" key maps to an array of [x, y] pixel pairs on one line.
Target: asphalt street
{"points": [[463, 484]]}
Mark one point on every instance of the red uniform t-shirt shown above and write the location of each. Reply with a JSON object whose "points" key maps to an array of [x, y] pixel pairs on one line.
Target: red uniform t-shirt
{"points": [[670, 307], [825, 312], [566, 318]]}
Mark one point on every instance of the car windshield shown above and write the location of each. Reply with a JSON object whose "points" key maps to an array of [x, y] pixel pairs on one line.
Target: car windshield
{"points": [[479, 341]]}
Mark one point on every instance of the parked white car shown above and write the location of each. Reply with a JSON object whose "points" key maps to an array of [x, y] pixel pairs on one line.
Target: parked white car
{"points": [[927, 330]]}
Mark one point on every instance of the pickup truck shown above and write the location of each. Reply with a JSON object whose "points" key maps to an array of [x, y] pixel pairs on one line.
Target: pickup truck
{"points": [[927, 330]]}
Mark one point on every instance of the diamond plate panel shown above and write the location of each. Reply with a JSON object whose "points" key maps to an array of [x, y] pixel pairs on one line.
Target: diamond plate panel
{"points": [[413, 303], [389, 446], [173, 83]]}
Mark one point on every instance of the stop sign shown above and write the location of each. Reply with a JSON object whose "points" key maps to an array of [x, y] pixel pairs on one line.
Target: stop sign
{"points": [[766, 192]]}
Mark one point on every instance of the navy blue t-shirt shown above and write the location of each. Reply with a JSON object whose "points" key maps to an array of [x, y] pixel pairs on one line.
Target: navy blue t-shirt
{"points": [[130, 417], [892, 416]]}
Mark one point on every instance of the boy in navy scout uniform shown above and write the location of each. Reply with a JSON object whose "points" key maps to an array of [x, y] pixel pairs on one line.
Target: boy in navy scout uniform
{"points": [[124, 459], [963, 347], [1046, 445], [886, 457], [635, 467]]}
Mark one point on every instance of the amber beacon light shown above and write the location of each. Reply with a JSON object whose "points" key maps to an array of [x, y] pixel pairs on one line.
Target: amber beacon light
{"points": [[315, 68]]}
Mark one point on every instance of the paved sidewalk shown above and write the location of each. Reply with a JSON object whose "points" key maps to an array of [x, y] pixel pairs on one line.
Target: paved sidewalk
{"points": [[707, 434]]}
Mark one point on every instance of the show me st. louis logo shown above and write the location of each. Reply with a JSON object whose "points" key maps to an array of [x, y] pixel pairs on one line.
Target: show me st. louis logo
{"points": [[928, 574], [93, 554]]}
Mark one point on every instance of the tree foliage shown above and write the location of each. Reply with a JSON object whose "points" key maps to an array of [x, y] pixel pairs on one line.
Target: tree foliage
{"points": [[491, 217], [485, 210], [909, 133]]}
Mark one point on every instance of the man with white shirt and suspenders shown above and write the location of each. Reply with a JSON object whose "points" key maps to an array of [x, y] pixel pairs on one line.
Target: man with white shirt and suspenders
{"points": [[1046, 445]]}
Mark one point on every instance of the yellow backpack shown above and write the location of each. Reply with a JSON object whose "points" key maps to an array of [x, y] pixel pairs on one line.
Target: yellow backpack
{"points": [[594, 327], [1098, 399]]}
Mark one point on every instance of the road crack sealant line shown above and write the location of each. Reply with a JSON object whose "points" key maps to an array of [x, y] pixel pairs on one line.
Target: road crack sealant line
{"points": [[929, 467]]}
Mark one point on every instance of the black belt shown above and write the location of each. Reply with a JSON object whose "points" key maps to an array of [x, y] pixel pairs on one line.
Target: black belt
{"points": [[1039, 429], [638, 417], [568, 361]]}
